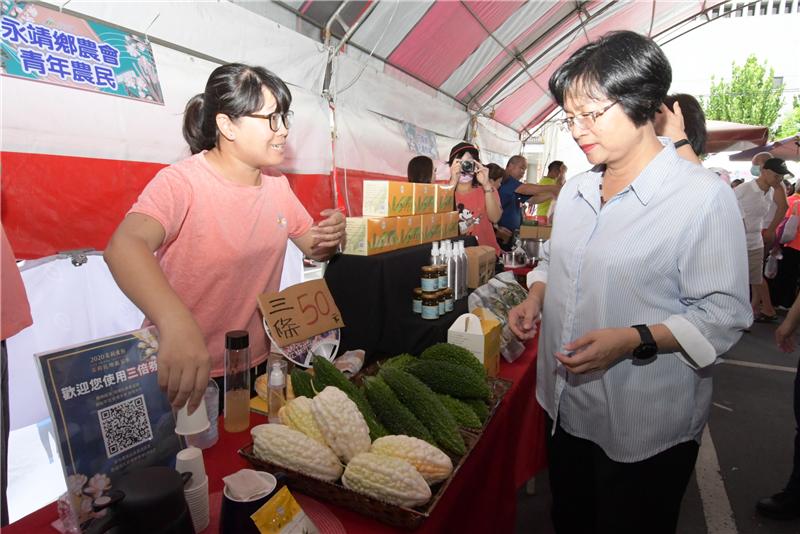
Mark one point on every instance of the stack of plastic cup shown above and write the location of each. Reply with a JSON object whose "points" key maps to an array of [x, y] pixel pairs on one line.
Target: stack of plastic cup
{"points": [[186, 424], [209, 437], [196, 490]]}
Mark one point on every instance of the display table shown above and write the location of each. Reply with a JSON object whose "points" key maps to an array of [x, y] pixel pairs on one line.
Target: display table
{"points": [[374, 295], [481, 498]]}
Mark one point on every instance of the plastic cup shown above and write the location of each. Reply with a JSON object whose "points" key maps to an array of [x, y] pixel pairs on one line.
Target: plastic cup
{"points": [[209, 437], [190, 460], [192, 424]]}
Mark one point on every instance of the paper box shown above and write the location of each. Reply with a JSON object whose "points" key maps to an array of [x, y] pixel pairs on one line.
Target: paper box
{"points": [[431, 227], [371, 235], [449, 224], [424, 198], [386, 198], [479, 334], [535, 232], [409, 231], [445, 199], [480, 265]]}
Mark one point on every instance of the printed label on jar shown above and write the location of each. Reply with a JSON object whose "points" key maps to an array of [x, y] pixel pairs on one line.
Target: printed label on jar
{"points": [[448, 305], [441, 307], [443, 282], [430, 284], [430, 312], [417, 306]]}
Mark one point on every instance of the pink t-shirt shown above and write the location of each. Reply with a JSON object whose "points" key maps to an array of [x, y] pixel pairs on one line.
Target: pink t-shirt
{"points": [[224, 246], [475, 202], [15, 312]]}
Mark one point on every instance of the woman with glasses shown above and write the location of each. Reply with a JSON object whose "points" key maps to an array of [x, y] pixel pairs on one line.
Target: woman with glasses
{"points": [[642, 286], [218, 223]]}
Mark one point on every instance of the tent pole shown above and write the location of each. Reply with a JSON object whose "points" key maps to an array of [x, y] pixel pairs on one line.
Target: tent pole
{"points": [[522, 54]]}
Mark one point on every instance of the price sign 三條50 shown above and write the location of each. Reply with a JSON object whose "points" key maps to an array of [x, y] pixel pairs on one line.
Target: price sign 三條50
{"points": [[300, 312]]}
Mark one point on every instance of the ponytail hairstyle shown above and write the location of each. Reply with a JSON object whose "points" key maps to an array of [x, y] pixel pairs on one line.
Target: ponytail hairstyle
{"points": [[233, 90]]}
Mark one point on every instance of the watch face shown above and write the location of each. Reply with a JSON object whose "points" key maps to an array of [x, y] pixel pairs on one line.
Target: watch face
{"points": [[645, 351]]}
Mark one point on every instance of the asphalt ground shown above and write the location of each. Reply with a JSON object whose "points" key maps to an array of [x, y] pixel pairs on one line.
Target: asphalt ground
{"points": [[752, 435]]}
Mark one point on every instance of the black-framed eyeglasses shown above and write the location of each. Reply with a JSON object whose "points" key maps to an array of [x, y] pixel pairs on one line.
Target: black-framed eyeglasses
{"points": [[584, 120], [275, 119]]}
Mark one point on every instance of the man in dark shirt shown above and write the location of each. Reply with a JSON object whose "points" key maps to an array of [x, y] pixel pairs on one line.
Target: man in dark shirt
{"points": [[512, 192]]}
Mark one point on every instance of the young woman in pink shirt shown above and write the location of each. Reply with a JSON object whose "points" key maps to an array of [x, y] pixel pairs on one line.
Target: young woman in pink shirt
{"points": [[218, 223], [475, 193]]}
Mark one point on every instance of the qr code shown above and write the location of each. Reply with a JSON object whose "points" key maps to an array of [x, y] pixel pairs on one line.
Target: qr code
{"points": [[125, 425]]}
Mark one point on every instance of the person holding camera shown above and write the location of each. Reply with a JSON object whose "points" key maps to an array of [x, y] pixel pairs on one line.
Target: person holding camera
{"points": [[475, 194]]}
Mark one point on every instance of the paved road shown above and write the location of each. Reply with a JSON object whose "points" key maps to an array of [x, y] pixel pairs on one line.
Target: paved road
{"points": [[751, 431]]}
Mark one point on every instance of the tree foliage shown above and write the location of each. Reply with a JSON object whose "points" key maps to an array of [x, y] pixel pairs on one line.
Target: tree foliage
{"points": [[791, 121], [750, 97]]}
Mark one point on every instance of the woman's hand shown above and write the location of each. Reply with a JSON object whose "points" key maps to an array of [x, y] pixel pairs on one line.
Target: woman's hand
{"points": [[522, 318], [330, 232], [598, 349], [455, 171], [482, 173], [183, 362], [671, 122]]}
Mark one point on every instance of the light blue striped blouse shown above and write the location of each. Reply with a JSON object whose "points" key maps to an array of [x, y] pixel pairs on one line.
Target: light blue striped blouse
{"points": [[669, 248]]}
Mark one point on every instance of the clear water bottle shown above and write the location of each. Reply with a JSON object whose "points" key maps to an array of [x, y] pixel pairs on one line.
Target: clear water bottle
{"points": [[237, 381]]}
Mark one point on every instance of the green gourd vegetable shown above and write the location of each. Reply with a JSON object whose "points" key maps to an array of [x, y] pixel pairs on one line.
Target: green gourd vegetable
{"points": [[446, 352], [392, 413], [451, 379], [462, 413], [424, 404], [301, 384]]}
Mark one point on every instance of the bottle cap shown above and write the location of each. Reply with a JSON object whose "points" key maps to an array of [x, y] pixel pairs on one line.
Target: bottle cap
{"points": [[276, 378], [237, 340]]}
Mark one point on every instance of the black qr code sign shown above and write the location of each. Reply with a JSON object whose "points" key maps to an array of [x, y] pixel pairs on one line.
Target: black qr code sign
{"points": [[125, 425]]}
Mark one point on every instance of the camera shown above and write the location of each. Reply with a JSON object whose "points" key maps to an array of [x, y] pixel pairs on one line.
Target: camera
{"points": [[468, 167]]}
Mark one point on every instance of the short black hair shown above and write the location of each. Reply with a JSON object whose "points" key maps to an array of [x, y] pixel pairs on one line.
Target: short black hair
{"points": [[694, 120], [622, 66], [496, 172], [420, 169], [514, 160], [554, 166]]}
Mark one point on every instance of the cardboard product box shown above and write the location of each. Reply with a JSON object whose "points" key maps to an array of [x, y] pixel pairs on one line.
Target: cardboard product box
{"points": [[479, 333], [480, 265], [535, 232], [409, 231], [449, 224], [386, 198], [367, 236], [424, 198], [445, 199], [431, 227]]}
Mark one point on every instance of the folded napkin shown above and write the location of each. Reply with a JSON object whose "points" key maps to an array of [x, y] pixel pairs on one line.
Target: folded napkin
{"points": [[246, 485]]}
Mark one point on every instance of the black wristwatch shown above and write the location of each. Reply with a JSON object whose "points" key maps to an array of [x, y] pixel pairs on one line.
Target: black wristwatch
{"points": [[647, 348], [680, 143]]}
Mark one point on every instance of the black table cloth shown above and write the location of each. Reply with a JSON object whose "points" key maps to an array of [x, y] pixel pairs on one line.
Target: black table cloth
{"points": [[374, 295]]}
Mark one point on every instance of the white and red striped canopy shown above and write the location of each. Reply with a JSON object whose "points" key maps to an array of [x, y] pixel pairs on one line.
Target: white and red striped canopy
{"points": [[494, 57]]}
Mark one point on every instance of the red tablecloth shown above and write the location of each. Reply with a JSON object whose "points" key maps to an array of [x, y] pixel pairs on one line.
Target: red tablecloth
{"points": [[482, 498]]}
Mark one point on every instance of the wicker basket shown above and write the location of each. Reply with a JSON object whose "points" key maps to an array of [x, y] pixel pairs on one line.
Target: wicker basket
{"points": [[396, 516]]}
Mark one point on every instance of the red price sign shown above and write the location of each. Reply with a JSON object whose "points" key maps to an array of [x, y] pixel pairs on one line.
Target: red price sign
{"points": [[300, 312]]}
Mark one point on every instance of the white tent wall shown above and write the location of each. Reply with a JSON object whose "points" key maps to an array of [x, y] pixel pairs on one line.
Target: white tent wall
{"points": [[221, 30], [47, 119]]}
